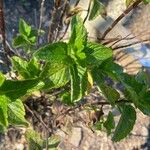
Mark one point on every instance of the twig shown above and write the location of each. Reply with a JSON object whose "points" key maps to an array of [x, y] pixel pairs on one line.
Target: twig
{"points": [[2, 32], [128, 45], [77, 2], [120, 18], [41, 16], [53, 15], [36, 116], [88, 11], [61, 17]]}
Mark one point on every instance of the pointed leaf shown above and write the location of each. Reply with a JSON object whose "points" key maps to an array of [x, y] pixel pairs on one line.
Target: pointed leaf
{"points": [[56, 52], [110, 93], [24, 28], [126, 123], [16, 113], [57, 73], [109, 124], [78, 82], [97, 53], [78, 37], [2, 78], [20, 65], [34, 140], [3, 110], [19, 41], [33, 68], [97, 9], [15, 89]]}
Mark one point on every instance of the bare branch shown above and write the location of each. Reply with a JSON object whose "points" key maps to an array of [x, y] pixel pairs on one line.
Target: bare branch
{"points": [[135, 4]]}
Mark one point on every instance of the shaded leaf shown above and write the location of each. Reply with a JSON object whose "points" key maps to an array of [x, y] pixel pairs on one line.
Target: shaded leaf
{"points": [[110, 93], [34, 140], [109, 124], [19, 41], [53, 142], [126, 122]]}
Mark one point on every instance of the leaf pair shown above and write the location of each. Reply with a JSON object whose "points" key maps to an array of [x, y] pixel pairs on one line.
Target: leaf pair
{"points": [[27, 36]]}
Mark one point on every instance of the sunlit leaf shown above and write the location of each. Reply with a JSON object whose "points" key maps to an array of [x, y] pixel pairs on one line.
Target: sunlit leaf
{"points": [[16, 113], [97, 9]]}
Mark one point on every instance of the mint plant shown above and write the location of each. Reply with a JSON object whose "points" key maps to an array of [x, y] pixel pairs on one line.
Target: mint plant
{"points": [[77, 64]]}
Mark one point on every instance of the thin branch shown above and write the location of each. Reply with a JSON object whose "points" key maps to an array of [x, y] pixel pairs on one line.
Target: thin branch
{"points": [[120, 18], [36, 116], [61, 17], [2, 32], [131, 44], [41, 16], [77, 2], [88, 11]]}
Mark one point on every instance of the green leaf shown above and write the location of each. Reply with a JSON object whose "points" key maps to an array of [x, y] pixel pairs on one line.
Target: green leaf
{"points": [[126, 122], [15, 89], [53, 142], [132, 88], [57, 73], [16, 113], [146, 1], [111, 69], [20, 65], [144, 102], [24, 28], [97, 53], [97, 9], [34, 140], [54, 53], [78, 37], [3, 110], [33, 68], [19, 41], [26, 69], [78, 82], [2, 78], [129, 2], [110, 93], [109, 124], [3, 129]]}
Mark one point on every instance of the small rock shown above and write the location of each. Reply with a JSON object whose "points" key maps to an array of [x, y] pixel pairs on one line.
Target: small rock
{"points": [[76, 136], [19, 146]]}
